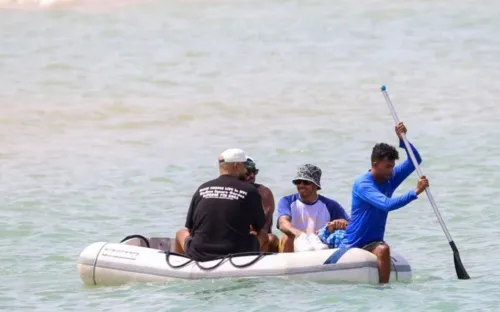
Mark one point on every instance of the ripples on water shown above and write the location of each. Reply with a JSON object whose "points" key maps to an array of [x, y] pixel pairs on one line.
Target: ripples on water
{"points": [[109, 120]]}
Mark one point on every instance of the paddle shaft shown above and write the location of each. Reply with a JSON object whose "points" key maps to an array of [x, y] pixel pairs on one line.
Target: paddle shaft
{"points": [[417, 168], [459, 267]]}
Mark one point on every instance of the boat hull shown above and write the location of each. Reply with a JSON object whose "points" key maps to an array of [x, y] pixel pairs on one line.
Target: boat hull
{"points": [[109, 264]]}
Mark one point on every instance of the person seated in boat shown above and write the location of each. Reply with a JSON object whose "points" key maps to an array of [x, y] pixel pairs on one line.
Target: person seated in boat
{"points": [[221, 213], [301, 215], [267, 203], [372, 200]]}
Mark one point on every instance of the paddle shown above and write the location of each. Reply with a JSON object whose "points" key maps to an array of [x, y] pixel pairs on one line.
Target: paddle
{"points": [[459, 267]]}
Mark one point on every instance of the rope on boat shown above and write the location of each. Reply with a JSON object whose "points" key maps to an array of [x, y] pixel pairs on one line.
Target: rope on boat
{"points": [[137, 236], [230, 257]]}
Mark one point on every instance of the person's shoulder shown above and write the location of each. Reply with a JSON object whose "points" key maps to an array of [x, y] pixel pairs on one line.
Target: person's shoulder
{"points": [[363, 178], [211, 182], [264, 190], [333, 206], [243, 186], [290, 198], [327, 200]]}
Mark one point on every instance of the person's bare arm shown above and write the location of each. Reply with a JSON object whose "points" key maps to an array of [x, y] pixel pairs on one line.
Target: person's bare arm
{"points": [[285, 226], [267, 204]]}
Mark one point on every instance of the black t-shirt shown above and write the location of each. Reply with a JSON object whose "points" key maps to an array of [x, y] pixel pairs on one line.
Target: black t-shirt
{"points": [[220, 216]]}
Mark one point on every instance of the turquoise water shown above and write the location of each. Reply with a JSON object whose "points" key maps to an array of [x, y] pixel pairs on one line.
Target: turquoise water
{"points": [[111, 115]]}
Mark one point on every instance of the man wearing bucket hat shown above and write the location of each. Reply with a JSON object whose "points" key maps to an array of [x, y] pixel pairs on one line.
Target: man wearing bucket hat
{"points": [[301, 215], [267, 202]]}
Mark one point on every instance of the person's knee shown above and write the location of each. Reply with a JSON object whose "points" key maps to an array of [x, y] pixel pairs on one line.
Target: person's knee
{"points": [[286, 244], [263, 240], [383, 250], [180, 240], [263, 237], [181, 234], [273, 243], [285, 239], [273, 239]]}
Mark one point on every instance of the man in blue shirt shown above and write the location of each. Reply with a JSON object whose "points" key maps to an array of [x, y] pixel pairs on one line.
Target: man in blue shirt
{"points": [[305, 212], [372, 200]]}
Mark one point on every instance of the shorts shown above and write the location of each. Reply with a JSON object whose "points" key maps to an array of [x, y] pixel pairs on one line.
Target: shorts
{"points": [[187, 242], [372, 245], [255, 244]]}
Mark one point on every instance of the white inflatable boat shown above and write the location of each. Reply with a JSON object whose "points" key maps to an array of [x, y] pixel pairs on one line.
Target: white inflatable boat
{"points": [[137, 259]]}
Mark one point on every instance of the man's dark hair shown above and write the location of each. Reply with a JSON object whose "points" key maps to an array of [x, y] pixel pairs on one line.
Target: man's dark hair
{"points": [[383, 151]]}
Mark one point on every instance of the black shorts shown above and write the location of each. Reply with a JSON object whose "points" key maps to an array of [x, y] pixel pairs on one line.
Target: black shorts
{"points": [[187, 241], [372, 245], [255, 243]]}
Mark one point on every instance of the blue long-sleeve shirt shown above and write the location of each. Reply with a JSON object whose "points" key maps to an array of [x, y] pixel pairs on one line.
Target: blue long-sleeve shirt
{"points": [[371, 203]]}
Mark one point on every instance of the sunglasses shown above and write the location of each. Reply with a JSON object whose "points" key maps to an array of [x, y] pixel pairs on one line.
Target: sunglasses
{"points": [[252, 170], [297, 182]]}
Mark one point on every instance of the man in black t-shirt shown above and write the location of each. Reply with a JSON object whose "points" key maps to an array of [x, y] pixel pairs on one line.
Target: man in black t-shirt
{"points": [[221, 213]]}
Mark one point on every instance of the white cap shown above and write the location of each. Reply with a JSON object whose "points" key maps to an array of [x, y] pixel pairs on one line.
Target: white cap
{"points": [[232, 155]]}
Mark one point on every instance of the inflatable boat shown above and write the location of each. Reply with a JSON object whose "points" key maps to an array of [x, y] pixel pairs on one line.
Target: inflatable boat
{"points": [[137, 259]]}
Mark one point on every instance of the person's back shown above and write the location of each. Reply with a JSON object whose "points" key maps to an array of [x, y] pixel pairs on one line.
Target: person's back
{"points": [[222, 212]]}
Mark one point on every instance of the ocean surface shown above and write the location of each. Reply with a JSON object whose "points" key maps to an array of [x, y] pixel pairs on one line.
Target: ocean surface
{"points": [[113, 112]]}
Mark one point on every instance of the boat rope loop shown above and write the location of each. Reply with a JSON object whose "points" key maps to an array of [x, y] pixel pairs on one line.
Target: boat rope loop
{"points": [[230, 257], [136, 236]]}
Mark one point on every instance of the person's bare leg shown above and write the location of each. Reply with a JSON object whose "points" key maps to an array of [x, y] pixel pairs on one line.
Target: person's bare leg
{"points": [[273, 243], [286, 243], [263, 241], [383, 254], [180, 238]]}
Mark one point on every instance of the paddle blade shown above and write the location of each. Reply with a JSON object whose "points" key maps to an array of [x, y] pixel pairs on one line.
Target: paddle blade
{"points": [[459, 267]]}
